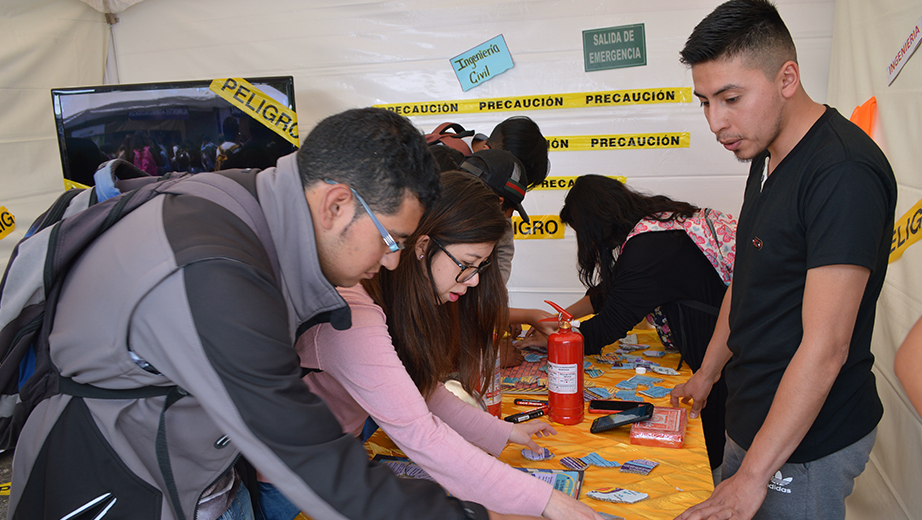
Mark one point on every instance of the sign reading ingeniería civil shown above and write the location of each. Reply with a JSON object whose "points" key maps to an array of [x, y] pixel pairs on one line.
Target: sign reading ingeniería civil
{"points": [[482, 63], [614, 47]]}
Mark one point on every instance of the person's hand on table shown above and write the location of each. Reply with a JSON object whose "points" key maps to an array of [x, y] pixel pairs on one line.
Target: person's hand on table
{"points": [[564, 507], [515, 330], [533, 338], [522, 432], [544, 327], [696, 389], [736, 498], [510, 354]]}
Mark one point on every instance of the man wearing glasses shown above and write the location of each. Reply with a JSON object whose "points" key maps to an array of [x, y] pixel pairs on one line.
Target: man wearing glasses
{"points": [[182, 293]]}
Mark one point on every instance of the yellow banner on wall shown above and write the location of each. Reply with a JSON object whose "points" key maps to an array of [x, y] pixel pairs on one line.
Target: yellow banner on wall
{"points": [[256, 104], [541, 226], [7, 222], [565, 183], [619, 142], [544, 102], [906, 231]]}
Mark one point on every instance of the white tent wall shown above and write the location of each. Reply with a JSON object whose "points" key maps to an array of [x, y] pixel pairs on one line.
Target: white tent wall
{"points": [[867, 37], [344, 55], [360, 53], [43, 44]]}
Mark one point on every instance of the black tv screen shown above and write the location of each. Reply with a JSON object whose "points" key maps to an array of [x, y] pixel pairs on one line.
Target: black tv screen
{"points": [[164, 127]]}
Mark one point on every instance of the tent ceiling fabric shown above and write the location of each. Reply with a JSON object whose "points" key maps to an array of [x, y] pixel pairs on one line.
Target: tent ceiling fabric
{"points": [[111, 6]]}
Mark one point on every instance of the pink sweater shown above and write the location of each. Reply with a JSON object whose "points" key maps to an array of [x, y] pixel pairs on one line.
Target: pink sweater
{"points": [[362, 375]]}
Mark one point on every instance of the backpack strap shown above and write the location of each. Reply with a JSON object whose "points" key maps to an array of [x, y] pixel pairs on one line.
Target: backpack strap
{"points": [[230, 195], [163, 453], [452, 139], [54, 213]]}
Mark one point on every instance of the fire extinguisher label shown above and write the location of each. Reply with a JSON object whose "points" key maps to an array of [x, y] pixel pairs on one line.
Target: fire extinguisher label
{"points": [[563, 379]]}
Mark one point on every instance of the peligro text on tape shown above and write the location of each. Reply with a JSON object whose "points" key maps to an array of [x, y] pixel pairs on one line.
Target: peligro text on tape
{"points": [[578, 143], [906, 231], [544, 102], [540, 226], [253, 102], [7, 222], [566, 182]]}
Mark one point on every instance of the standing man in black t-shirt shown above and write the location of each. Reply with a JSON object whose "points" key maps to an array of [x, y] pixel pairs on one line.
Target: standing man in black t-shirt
{"points": [[812, 245]]}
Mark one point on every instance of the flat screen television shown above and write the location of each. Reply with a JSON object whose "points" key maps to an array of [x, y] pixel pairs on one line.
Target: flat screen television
{"points": [[181, 124]]}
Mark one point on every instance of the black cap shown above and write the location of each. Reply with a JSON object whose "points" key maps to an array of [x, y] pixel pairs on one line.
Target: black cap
{"points": [[501, 171]]}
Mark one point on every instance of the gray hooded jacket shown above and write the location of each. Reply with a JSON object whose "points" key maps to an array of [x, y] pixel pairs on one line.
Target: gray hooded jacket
{"points": [[184, 285]]}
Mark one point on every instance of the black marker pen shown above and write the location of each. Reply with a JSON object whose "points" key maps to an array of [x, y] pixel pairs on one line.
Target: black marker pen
{"points": [[526, 416]]}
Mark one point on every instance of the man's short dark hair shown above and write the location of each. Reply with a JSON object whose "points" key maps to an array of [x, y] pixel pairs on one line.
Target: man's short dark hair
{"points": [[749, 28], [522, 137], [376, 152]]}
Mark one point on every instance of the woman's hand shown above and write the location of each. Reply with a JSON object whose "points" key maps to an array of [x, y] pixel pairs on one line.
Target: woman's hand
{"points": [[564, 507], [522, 432]]}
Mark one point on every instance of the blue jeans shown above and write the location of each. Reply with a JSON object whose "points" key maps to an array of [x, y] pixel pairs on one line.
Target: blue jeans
{"points": [[274, 505], [241, 508]]}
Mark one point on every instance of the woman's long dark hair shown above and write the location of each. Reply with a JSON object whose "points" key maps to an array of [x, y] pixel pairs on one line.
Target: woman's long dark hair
{"points": [[603, 211], [435, 340]]}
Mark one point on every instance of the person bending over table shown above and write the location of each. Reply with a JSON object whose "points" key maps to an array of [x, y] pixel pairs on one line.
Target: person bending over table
{"points": [[411, 327], [640, 254]]}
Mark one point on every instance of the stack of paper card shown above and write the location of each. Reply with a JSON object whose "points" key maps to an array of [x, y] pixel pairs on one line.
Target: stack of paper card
{"points": [[665, 429], [543, 454], [574, 463], [639, 466], [613, 494], [656, 392]]}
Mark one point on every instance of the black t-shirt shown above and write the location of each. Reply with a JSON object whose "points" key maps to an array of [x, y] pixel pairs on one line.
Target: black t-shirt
{"points": [[830, 201], [660, 269], [657, 269]]}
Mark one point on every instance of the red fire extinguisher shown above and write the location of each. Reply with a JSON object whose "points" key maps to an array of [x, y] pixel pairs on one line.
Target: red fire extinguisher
{"points": [[565, 369]]}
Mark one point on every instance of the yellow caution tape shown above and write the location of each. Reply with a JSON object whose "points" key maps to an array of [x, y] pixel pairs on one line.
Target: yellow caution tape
{"points": [[7, 222], [906, 231], [565, 183], [544, 102], [253, 102], [5, 489], [69, 185], [541, 226], [619, 142]]}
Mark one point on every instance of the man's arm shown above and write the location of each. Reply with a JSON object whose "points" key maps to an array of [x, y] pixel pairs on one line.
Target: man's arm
{"points": [[908, 365], [831, 298], [698, 386]]}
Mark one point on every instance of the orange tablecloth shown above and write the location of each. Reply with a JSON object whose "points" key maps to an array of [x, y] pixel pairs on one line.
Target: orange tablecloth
{"points": [[682, 478]]}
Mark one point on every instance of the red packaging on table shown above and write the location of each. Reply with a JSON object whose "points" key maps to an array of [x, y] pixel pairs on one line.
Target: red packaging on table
{"points": [[666, 429]]}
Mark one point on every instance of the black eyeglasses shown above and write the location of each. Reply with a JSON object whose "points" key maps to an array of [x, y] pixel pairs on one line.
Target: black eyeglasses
{"points": [[392, 244], [467, 271]]}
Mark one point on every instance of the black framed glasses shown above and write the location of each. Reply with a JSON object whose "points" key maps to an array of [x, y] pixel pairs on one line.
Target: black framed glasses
{"points": [[392, 244], [467, 271]]}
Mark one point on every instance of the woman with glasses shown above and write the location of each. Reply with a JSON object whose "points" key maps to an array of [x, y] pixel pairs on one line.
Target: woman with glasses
{"points": [[411, 328]]}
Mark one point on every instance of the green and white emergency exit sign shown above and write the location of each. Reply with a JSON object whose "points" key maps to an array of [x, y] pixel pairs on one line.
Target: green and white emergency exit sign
{"points": [[615, 47]]}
